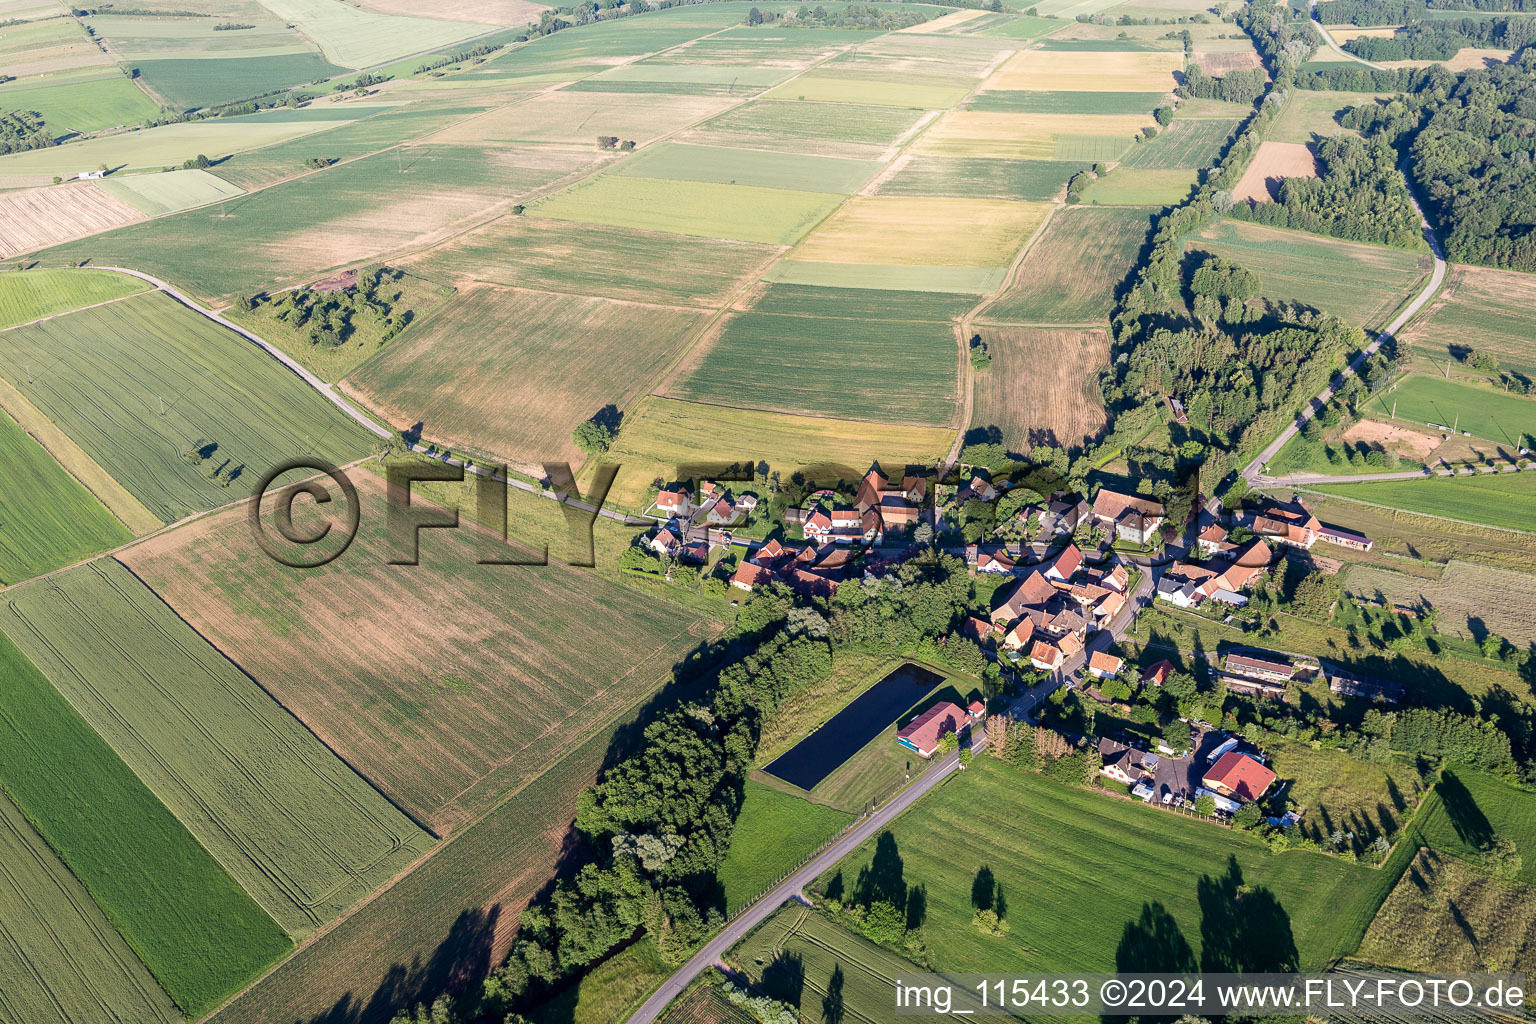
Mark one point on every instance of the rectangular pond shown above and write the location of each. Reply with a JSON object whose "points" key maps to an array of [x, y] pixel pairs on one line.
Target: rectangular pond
{"points": [[847, 732]]}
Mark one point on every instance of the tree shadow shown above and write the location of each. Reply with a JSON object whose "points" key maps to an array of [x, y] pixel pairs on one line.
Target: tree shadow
{"points": [[1242, 928], [784, 978], [832, 1010], [917, 906], [1471, 825], [883, 880], [1152, 944]]}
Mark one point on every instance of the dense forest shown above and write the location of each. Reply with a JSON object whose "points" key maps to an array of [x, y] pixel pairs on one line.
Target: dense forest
{"points": [[1360, 196], [1234, 86], [1439, 40], [22, 130], [1369, 12]]}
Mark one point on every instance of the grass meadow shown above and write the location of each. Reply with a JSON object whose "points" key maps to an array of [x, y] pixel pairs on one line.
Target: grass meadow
{"points": [[138, 383], [297, 828], [1488, 311], [1187, 143], [1482, 411], [1042, 386], [773, 833], [179, 911], [80, 101], [1503, 501], [1071, 272], [861, 369], [1473, 600], [1362, 283], [50, 519], [157, 194], [1133, 186], [660, 434], [525, 662], [981, 178], [33, 294], [679, 162], [1023, 828]]}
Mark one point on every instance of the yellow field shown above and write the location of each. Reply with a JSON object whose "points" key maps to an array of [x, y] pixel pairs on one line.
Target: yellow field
{"points": [[1467, 58], [660, 434], [1011, 136], [923, 232], [1087, 71], [1344, 33], [37, 217]]}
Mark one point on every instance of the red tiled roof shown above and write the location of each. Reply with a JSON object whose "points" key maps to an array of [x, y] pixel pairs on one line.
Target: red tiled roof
{"points": [[1158, 673], [925, 731], [1112, 505], [1240, 774], [1105, 662]]}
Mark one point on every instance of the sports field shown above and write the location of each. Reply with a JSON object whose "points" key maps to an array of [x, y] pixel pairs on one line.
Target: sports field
{"points": [[169, 191], [1316, 906], [181, 913], [34, 294], [1481, 411], [139, 384], [748, 213], [923, 232], [1042, 386], [1504, 500], [1362, 283], [1088, 71], [1070, 274], [1483, 310], [660, 434], [747, 167], [513, 372], [873, 370]]}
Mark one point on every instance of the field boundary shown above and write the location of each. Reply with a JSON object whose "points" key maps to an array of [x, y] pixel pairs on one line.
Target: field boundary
{"points": [[1393, 508]]}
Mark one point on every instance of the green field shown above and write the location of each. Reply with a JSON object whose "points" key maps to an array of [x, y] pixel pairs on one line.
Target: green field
{"points": [[863, 303], [302, 833], [1130, 186], [147, 38], [983, 178], [1191, 143], [80, 101], [904, 91], [730, 79], [188, 82], [176, 907], [1025, 828], [1023, 27], [1503, 500], [358, 38], [102, 375], [169, 191], [1456, 822], [61, 961], [771, 124], [1481, 411], [1310, 115], [960, 280], [744, 212], [774, 832], [1031, 102], [47, 519], [585, 259], [1492, 312], [747, 167], [1071, 272], [875, 370], [34, 294], [1362, 283]]}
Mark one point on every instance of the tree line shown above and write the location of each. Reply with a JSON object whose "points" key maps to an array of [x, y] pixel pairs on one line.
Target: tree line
{"points": [[1441, 39], [882, 18], [21, 130]]}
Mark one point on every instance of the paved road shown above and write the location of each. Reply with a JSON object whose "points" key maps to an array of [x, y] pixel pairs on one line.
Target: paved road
{"points": [[1254, 471], [791, 887], [1335, 47]]}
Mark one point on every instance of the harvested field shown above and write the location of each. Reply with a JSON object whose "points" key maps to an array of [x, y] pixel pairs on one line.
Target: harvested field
{"points": [[863, 303], [39, 217], [1414, 444], [727, 79], [861, 369], [1489, 311], [743, 212], [1344, 33], [1468, 58], [101, 374], [33, 294], [297, 828], [1042, 387], [169, 191], [847, 129], [1070, 274], [513, 372], [1136, 186], [960, 280], [750, 167], [1359, 282], [1186, 143], [618, 263], [1023, 27], [896, 92], [1217, 63], [900, 57], [1088, 71], [1275, 162], [524, 664], [943, 22], [578, 117], [923, 232], [980, 178], [1022, 136], [659, 434], [1473, 600], [178, 910]]}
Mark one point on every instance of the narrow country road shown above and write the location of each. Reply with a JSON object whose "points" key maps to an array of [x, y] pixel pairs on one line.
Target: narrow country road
{"points": [[1335, 47], [1254, 471]]}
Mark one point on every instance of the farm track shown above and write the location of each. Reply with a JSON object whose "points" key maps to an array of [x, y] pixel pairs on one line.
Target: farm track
{"points": [[1335, 47]]}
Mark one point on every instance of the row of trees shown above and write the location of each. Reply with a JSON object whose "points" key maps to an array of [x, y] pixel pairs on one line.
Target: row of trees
{"points": [[883, 17], [21, 130], [1439, 40], [1368, 12]]}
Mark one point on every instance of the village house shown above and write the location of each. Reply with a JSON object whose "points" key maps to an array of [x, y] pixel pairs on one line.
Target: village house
{"points": [[1281, 522], [1268, 668], [977, 487], [1158, 674], [1046, 657], [1067, 512], [1105, 666], [1125, 764], [894, 507], [1063, 566], [1135, 520], [665, 543], [924, 733], [674, 502], [1238, 776], [1212, 540]]}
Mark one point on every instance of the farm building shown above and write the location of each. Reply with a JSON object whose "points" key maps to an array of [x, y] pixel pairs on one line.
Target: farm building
{"points": [[1273, 669], [1134, 519], [1350, 685], [1289, 523], [1238, 776], [1253, 687], [924, 733], [1344, 538]]}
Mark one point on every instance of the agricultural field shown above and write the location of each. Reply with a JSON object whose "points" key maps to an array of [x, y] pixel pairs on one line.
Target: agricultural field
{"points": [[49, 518], [1362, 283], [525, 663], [660, 434], [1309, 115], [862, 303], [1473, 808], [774, 832], [297, 828], [1478, 410], [1473, 601], [615, 263], [354, 37], [135, 39], [902, 91], [80, 101], [144, 384], [859, 369], [170, 191], [576, 118], [34, 294], [1042, 386], [1031, 136], [680, 162], [1186, 143], [186, 83], [1135, 186], [1274, 162], [513, 372], [1399, 533], [1502, 500], [704, 1003], [1482, 310], [773, 216], [38, 217], [61, 961], [1099, 70], [180, 912], [848, 129], [922, 232], [1318, 906], [45, 47], [1071, 272], [1078, 103], [887, 277]]}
